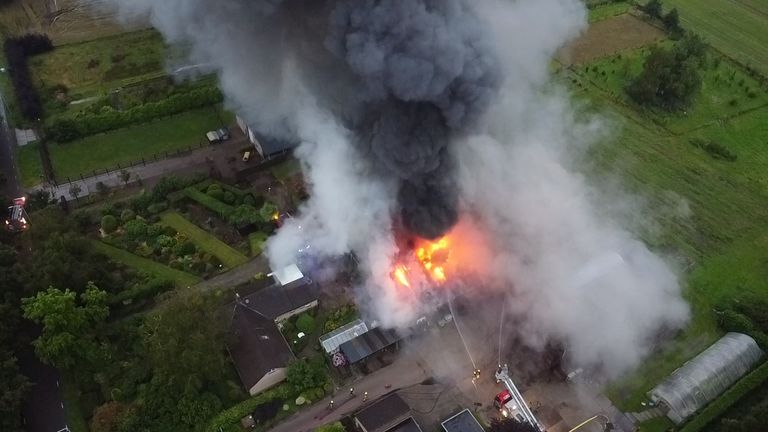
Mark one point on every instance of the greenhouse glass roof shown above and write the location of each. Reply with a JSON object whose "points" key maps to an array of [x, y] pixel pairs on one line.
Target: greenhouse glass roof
{"points": [[707, 375]]}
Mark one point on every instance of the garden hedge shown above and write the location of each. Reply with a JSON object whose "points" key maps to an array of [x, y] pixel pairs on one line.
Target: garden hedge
{"points": [[234, 414], [83, 124], [221, 209], [720, 405]]}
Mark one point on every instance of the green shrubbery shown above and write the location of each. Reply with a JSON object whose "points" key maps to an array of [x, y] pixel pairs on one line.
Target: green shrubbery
{"points": [[84, 124], [714, 149], [305, 323], [343, 315], [108, 223], [218, 207], [141, 291], [730, 397]]}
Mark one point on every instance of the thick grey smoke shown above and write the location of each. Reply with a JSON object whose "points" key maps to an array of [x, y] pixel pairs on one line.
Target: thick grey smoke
{"points": [[412, 112]]}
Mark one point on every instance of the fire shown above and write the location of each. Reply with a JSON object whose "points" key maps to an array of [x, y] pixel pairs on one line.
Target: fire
{"points": [[401, 275], [434, 256]]}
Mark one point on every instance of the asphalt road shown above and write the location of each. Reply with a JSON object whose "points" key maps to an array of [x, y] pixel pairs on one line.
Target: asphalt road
{"points": [[12, 186], [44, 407]]}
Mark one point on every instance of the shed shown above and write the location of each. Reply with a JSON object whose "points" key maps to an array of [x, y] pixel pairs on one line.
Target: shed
{"points": [[331, 340], [464, 421], [383, 415], [706, 376], [368, 344], [280, 302]]}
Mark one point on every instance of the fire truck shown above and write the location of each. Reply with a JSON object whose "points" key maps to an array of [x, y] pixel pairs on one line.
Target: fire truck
{"points": [[17, 219], [510, 402]]}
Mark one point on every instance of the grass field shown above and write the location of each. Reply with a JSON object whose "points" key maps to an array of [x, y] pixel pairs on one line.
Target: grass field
{"points": [[610, 10], [180, 278], [205, 241], [29, 165], [726, 90], [131, 144], [721, 245], [735, 27], [101, 64]]}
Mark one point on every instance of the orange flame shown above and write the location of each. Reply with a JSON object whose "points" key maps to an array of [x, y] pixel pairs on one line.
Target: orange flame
{"points": [[401, 275], [434, 256]]}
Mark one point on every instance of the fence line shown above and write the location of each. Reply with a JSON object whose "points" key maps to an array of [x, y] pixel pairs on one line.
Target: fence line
{"points": [[156, 157]]}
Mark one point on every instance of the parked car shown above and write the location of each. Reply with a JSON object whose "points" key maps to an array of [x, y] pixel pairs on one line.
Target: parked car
{"points": [[218, 135]]}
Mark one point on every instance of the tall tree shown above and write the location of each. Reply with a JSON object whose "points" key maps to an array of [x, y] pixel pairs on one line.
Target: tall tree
{"points": [[186, 337], [69, 326], [13, 387], [669, 80]]}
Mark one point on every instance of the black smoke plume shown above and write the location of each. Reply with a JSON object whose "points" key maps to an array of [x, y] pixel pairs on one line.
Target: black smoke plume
{"points": [[405, 76]]}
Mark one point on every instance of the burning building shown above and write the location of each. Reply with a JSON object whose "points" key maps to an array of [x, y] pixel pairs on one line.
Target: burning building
{"points": [[418, 116]]}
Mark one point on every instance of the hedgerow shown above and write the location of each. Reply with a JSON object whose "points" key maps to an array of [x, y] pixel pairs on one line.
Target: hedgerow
{"points": [[720, 405], [83, 124]]}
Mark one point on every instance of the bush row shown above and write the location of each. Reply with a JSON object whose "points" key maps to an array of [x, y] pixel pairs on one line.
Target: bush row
{"points": [[141, 292], [234, 414], [17, 50], [84, 124], [730, 397], [221, 209]]}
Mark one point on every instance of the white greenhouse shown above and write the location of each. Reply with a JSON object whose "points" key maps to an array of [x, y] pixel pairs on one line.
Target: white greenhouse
{"points": [[706, 376]]}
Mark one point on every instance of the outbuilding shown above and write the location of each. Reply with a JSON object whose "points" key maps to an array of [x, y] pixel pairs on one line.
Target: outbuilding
{"points": [[705, 377]]}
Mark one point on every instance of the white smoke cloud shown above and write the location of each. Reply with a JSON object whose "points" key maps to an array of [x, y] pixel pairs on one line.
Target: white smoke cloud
{"points": [[555, 245]]}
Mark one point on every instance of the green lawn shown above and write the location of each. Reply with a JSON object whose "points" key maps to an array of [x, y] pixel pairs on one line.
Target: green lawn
{"points": [[608, 10], [130, 144], [101, 64], [726, 89], [180, 278], [205, 241], [71, 396], [735, 27], [29, 165], [722, 245], [256, 241]]}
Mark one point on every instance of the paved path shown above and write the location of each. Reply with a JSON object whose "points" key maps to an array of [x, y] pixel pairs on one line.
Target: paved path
{"points": [[404, 372], [217, 157], [237, 275]]}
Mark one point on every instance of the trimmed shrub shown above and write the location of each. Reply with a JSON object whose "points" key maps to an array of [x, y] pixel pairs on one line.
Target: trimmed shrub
{"points": [[136, 229], [109, 223], [127, 215], [212, 204], [157, 208]]}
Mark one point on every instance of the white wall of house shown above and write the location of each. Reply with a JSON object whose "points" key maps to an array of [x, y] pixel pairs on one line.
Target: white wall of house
{"points": [[249, 133], [297, 311], [271, 379]]}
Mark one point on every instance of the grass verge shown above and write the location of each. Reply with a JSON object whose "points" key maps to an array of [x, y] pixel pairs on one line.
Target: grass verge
{"points": [[30, 167], [228, 256], [256, 241], [72, 407], [131, 144], [180, 278]]}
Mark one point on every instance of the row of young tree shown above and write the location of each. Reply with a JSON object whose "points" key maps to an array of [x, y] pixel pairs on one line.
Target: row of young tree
{"points": [[17, 51]]}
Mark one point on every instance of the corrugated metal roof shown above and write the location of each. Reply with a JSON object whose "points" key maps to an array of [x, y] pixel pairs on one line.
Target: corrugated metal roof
{"points": [[368, 343], [331, 341], [707, 375]]}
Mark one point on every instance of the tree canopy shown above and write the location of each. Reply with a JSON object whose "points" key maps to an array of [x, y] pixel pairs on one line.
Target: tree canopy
{"points": [[67, 338]]}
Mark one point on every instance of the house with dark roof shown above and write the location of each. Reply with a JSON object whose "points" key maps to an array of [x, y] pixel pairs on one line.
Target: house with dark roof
{"points": [[464, 421], [259, 351], [389, 414], [267, 147]]}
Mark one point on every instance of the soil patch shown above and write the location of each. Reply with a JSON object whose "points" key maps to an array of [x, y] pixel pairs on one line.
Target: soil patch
{"points": [[608, 37]]}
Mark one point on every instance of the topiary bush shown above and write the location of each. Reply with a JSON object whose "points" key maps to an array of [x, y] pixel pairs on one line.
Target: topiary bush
{"points": [[109, 223]]}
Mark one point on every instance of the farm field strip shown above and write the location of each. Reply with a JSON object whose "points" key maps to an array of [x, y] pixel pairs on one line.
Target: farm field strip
{"points": [[227, 255], [736, 28], [180, 278]]}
